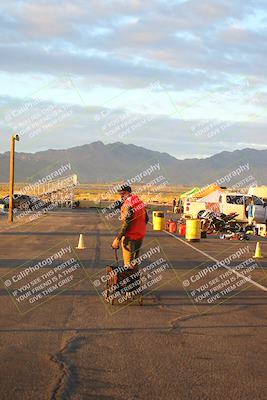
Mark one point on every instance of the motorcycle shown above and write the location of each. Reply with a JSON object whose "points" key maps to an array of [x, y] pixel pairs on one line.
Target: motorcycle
{"points": [[213, 222]]}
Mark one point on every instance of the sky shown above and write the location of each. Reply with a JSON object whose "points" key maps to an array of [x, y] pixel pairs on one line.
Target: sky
{"points": [[183, 77]]}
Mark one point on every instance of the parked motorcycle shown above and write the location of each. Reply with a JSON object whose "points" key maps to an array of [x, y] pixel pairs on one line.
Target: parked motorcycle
{"points": [[213, 222]]}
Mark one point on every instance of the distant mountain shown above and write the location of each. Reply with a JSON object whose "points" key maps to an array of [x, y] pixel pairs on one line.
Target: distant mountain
{"points": [[97, 162]]}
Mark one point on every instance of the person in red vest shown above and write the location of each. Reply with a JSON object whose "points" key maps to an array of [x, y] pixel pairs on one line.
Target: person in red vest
{"points": [[133, 229]]}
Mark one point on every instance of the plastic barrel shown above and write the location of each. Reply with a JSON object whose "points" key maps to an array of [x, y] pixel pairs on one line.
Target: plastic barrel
{"points": [[158, 221], [193, 230], [172, 227], [182, 229], [167, 224]]}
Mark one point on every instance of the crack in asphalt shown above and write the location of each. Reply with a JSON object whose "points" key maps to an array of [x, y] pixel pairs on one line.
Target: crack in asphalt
{"points": [[175, 323], [66, 368], [68, 378]]}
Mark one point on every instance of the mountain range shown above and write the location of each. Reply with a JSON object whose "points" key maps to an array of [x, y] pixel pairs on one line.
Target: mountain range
{"points": [[102, 163]]}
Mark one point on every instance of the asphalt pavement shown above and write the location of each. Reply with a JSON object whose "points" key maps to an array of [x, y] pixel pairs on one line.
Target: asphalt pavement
{"points": [[198, 336]]}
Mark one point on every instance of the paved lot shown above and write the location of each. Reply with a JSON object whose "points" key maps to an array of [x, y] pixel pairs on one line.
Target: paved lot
{"points": [[176, 346]]}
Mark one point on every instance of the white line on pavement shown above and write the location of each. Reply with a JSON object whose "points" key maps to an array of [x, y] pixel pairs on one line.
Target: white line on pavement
{"points": [[217, 261]]}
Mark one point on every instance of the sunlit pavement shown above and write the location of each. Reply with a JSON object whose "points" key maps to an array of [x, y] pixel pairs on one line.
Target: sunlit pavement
{"points": [[74, 346]]}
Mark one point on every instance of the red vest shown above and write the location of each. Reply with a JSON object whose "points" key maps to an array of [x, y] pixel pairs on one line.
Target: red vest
{"points": [[137, 228]]}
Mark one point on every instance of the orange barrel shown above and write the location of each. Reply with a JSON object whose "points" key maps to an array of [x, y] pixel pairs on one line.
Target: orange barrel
{"points": [[172, 227], [182, 229], [193, 230]]}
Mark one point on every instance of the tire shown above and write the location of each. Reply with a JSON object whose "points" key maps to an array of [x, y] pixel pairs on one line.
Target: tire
{"points": [[248, 228], [200, 213], [235, 227], [211, 229]]}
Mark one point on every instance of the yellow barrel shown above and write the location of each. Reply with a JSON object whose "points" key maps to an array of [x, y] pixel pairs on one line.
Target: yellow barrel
{"points": [[193, 230], [158, 221]]}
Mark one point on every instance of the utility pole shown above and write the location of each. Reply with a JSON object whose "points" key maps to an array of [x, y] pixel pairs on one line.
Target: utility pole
{"points": [[11, 176]]}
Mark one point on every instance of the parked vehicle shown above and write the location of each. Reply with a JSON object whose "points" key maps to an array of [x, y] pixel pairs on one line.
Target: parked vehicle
{"points": [[23, 202], [229, 203], [259, 191]]}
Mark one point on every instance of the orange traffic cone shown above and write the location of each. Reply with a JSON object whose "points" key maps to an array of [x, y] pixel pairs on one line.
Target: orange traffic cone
{"points": [[81, 243], [258, 253]]}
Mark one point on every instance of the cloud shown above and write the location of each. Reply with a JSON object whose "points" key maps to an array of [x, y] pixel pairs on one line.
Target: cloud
{"points": [[109, 71], [135, 39], [192, 47], [173, 135], [46, 20]]}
